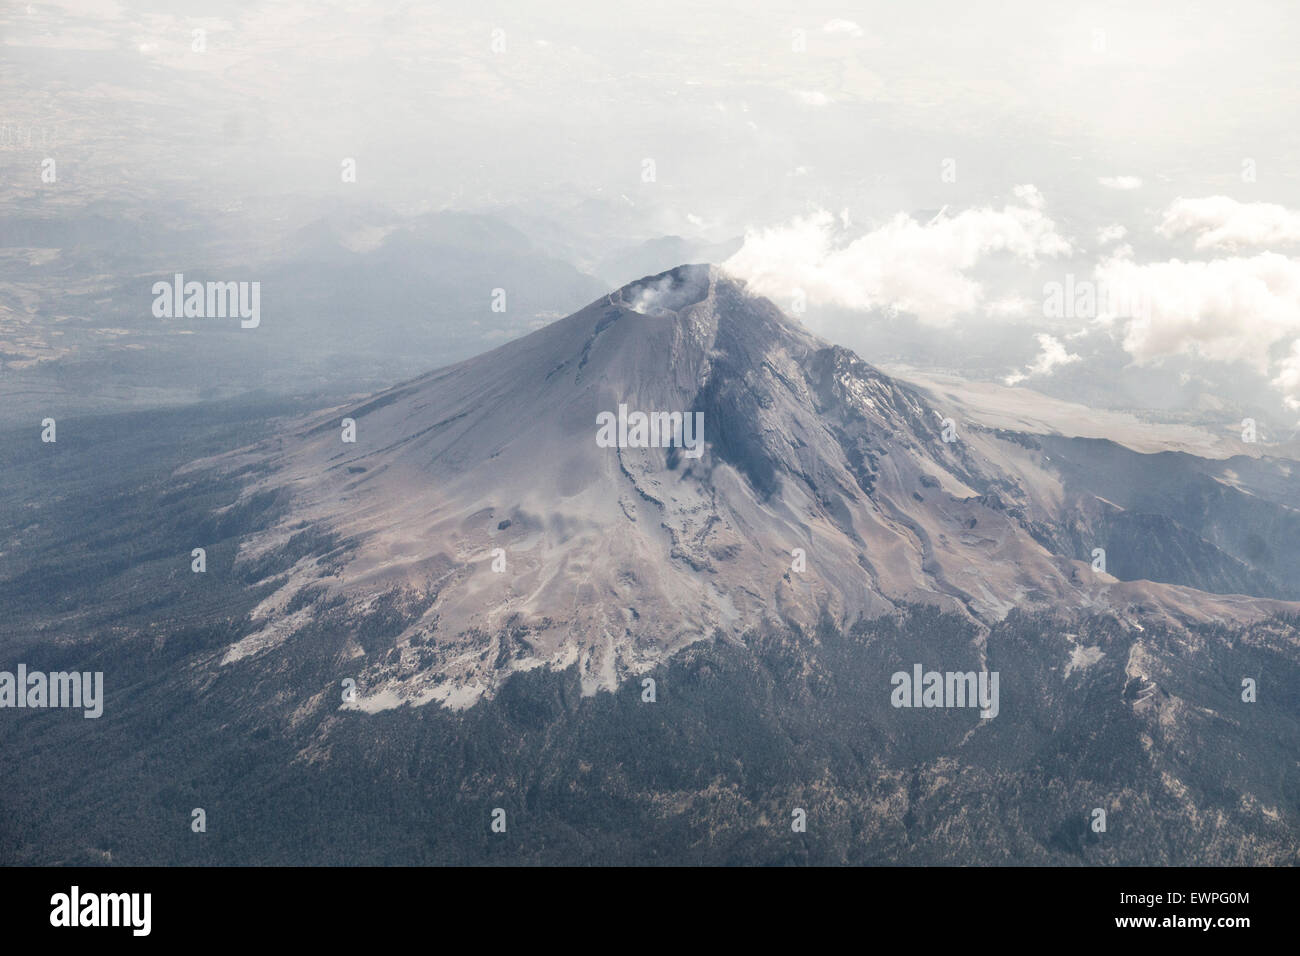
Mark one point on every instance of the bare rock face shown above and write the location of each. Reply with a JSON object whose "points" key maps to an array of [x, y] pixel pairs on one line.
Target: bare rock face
{"points": [[482, 518]]}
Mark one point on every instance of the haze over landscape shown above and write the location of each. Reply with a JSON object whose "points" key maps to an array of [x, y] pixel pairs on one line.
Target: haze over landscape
{"points": [[915, 178]]}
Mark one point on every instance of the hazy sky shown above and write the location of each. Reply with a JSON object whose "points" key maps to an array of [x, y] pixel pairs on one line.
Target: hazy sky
{"points": [[943, 160], [726, 97]]}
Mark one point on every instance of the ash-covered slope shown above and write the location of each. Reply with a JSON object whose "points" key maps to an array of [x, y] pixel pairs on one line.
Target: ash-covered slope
{"points": [[335, 564], [478, 512]]}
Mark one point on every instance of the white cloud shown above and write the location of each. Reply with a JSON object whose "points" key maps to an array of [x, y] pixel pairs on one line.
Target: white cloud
{"points": [[1052, 355], [842, 26], [1009, 306], [1288, 377], [902, 265], [1238, 309], [812, 97], [1029, 195], [1120, 182], [1220, 222], [1109, 234]]}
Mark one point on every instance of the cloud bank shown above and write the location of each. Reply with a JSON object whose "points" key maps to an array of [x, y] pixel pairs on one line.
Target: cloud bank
{"points": [[1234, 309], [904, 265], [1219, 222]]}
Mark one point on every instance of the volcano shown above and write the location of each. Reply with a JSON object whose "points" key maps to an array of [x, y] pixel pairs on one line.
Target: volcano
{"points": [[650, 581], [478, 507]]}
